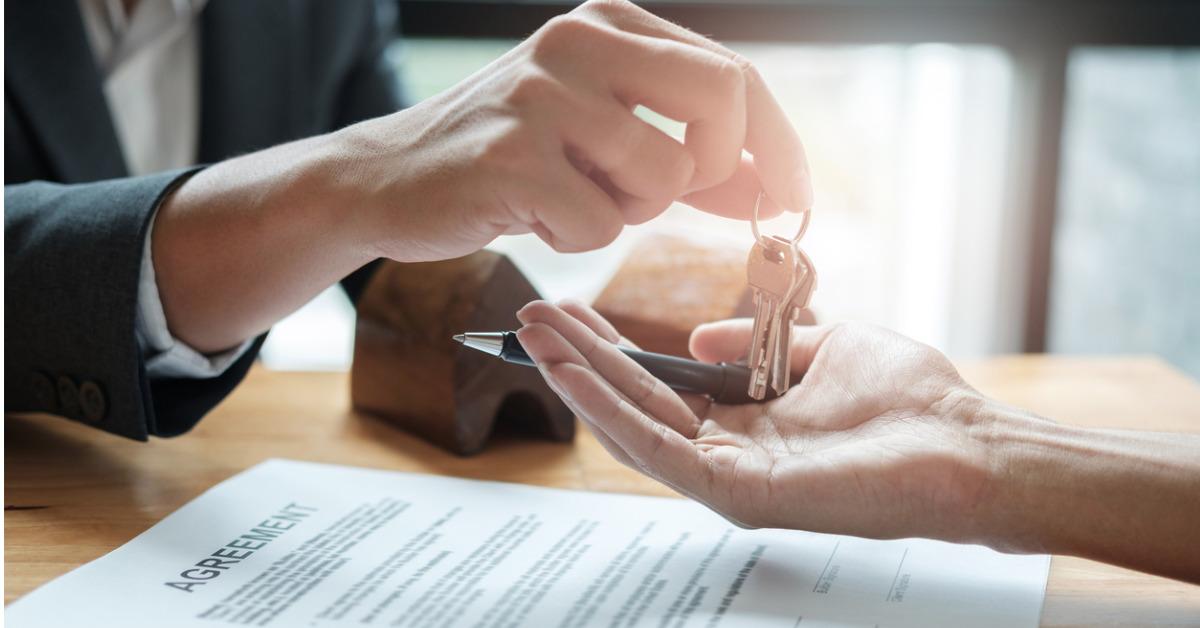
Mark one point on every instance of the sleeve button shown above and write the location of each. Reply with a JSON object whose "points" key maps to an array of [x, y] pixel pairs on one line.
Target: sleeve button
{"points": [[68, 396], [91, 399]]}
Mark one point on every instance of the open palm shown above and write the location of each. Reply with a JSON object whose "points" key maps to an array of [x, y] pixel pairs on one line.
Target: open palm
{"points": [[867, 442]]}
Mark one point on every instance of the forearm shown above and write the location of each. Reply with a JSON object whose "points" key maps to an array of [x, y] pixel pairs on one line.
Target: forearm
{"points": [[1122, 497], [247, 241]]}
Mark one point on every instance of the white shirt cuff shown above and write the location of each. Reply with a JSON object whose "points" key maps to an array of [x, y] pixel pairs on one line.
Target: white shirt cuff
{"points": [[165, 355]]}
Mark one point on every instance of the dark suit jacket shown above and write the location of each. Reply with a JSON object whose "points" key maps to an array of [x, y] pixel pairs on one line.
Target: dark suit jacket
{"points": [[74, 221]]}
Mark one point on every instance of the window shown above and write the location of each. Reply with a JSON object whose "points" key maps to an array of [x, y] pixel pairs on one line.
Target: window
{"points": [[936, 169], [1127, 251]]}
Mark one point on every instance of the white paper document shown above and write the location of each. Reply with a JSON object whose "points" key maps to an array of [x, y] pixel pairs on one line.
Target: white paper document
{"points": [[301, 544]]}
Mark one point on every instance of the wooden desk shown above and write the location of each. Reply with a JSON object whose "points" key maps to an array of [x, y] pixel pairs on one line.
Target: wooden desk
{"points": [[72, 494]]}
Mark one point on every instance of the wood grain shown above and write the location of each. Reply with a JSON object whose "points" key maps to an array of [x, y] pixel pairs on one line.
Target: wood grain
{"points": [[80, 493], [407, 370], [670, 283]]}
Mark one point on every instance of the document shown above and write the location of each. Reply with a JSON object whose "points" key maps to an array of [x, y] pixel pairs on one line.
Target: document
{"points": [[301, 544]]}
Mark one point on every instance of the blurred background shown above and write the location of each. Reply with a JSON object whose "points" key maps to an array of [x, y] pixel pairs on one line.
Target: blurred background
{"points": [[992, 176]]}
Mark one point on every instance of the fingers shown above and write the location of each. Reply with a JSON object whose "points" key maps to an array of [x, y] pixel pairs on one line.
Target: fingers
{"points": [[548, 344], [647, 166], [723, 341], [626, 376], [735, 197], [590, 317], [679, 80], [729, 341], [698, 404], [779, 156], [548, 349], [658, 450], [691, 85], [571, 213]]}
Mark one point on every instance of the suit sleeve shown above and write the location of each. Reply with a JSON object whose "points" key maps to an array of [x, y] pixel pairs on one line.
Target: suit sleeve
{"points": [[72, 262]]}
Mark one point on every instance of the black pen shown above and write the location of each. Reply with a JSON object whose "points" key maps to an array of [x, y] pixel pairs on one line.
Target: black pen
{"points": [[723, 383]]}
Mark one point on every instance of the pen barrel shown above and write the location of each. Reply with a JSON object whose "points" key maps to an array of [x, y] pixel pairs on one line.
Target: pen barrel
{"points": [[724, 383], [735, 390], [682, 375]]}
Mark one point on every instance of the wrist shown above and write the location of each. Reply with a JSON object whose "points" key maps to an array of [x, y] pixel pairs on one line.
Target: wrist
{"points": [[1017, 448], [271, 212], [329, 183], [1121, 497], [374, 190], [296, 192], [976, 473]]}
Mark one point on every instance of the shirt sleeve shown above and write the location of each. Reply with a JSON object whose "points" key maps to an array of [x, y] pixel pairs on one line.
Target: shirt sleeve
{"points": [[164, 355]]}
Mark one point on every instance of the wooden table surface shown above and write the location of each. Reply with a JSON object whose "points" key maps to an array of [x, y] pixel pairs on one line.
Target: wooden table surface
{"points": [[72, 494]]}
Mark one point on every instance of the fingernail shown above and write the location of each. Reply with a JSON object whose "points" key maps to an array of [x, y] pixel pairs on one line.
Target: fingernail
{"points": [[521, 313], [802, 192]]}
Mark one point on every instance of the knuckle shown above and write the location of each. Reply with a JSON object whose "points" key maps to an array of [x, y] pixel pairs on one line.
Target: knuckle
{"points": [[657, 440], [607, 7], [590, 350], [732, 73], [747, 72], [561, 33], [533, 88], [646, 386]]}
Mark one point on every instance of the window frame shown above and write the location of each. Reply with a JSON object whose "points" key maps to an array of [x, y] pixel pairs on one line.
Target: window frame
{"points": [[1038, 35]]}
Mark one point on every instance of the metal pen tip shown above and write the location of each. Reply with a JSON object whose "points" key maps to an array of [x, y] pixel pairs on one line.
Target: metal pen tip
{"points": [[460, 338]]}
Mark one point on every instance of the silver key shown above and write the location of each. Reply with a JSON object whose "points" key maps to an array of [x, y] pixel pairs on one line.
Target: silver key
{"points": [[788, 313], [771, 273]]}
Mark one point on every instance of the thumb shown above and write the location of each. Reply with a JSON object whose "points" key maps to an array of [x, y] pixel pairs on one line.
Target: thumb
{"points": [[722, 341], [729, 341]]}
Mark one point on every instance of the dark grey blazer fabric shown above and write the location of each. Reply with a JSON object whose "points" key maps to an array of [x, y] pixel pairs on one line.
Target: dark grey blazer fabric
{"points": [[74, 221]]}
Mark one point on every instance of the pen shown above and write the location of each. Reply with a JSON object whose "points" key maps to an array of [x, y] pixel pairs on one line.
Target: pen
{"points": [[723, 383]]}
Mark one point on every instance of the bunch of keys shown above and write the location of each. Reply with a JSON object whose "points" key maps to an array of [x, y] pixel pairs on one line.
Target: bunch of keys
{"points": [[782, 279]]}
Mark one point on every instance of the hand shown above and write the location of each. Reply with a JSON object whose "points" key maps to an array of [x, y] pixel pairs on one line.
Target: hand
{"points": [[542, 140], [870, 441], [545, 140]]}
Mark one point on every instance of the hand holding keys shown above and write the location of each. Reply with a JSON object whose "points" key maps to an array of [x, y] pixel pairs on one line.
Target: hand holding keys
{"points": [[783, 279]]}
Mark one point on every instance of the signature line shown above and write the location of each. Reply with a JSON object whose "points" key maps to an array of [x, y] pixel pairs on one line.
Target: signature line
{"points": [[897, 576]]}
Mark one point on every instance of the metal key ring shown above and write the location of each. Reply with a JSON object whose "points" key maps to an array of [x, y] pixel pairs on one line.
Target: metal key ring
{"points": [[807, 216]]}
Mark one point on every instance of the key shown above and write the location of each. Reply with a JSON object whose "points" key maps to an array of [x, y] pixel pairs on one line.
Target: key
{"points": [[789, 311], [771, 273]]}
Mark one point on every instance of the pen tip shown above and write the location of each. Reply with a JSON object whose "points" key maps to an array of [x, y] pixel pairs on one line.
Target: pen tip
{"points": [[460, 338]]}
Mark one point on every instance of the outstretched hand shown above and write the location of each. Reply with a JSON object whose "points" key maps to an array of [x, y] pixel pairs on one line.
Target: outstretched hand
{"points": [[870, 440]]}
